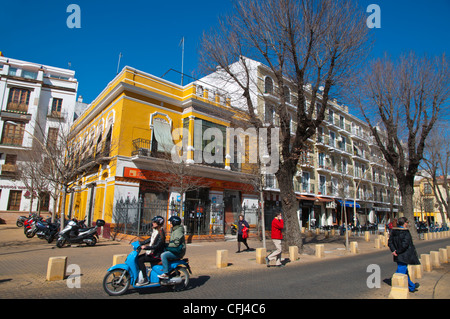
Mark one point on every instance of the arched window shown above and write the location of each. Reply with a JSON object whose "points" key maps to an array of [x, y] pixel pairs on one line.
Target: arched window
{"points": [[287, 94], [268, 85]]}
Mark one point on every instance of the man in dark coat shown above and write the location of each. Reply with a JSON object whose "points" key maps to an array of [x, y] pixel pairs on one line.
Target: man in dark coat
{"points": [[402, 247]]}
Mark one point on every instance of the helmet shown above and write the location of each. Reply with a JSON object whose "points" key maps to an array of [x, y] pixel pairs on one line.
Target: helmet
{"points": [[158, 219], [175, 220]]}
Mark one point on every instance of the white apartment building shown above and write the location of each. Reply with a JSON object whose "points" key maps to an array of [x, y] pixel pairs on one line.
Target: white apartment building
{"points": [[36, 102], [342, 165]]}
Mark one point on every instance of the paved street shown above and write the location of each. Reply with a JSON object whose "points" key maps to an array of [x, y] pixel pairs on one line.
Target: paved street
{"points": [[340, 275]]}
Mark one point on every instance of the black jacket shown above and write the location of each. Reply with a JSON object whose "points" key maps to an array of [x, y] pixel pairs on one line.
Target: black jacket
{"points": [[401, 242], [158, 245]]}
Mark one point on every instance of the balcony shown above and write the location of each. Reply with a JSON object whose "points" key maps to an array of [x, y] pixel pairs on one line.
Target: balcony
{"points": [[9, 170], [17, 107]]}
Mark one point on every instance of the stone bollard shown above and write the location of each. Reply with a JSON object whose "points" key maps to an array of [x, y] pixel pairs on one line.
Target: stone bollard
{"points": [[448, 252], [425, 260], [425, 236], [443, 256], [333, 232], [377, 243], [399, 287], [293, 253], [354, 247], [418, 271], [320, 251], [222, 258], [317, 231], [261, 255], [434, 255], [367, 236], [56, 268], [412, 273], [382, 240], [303, 230], [119, 259]]}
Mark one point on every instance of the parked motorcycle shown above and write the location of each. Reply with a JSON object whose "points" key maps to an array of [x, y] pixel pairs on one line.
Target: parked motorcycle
{"points": [[20, 220], [73, 233], [119, 277], [233, 229], [47, 230], [29, 226]]}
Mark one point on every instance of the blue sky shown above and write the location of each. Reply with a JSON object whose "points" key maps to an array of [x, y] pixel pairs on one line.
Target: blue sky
{"points": [[148, 34]]}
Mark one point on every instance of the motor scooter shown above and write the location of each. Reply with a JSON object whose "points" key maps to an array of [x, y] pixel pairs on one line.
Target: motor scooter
{"points": [[119, 277], [47, 230], [73, 234]]}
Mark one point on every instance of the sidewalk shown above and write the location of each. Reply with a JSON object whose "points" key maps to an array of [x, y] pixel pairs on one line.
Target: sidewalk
{"points": [[202, 255]]}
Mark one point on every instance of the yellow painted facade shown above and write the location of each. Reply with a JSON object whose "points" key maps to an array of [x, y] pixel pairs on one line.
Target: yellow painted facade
{"points": [[107, 140]]}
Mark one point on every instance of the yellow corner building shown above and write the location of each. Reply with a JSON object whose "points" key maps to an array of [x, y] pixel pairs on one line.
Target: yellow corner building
{"points": [[120, 154]]}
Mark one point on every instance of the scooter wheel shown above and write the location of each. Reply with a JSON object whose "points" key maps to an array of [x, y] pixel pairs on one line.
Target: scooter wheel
{"points": [[116, 282], [93, 242], [60, 243], [30, 234], [183, 273]]}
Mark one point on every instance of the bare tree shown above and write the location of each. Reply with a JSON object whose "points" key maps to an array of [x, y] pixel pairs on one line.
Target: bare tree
{"points": [[308, 46], [401, 101], [437, 165]]}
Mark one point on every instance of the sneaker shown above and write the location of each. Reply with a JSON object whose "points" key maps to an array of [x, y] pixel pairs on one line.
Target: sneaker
{"points": [[267, 262], [163, 276], [144, 283]]}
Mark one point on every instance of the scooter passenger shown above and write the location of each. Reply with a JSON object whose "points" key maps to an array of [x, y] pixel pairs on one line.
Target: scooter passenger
{"points": [[156, 244], [176, 247]]}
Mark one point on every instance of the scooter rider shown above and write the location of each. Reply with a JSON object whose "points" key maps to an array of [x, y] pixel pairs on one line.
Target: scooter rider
{"points": [[176, 247], [153, 251]]}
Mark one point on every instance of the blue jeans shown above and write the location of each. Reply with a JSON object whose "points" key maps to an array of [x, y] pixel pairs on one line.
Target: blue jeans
{"points": [[165, 258], [403, 269]]}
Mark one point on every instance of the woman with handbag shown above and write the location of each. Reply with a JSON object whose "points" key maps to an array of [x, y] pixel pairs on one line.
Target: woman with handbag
{"points": [[242, 235], [402, 248]]}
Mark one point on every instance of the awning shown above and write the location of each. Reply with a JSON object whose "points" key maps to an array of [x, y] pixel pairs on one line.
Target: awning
{"points": [[306, 197], [324, 199], [348, 203]]}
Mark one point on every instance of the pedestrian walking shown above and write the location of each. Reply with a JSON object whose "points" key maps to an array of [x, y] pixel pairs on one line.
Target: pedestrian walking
{"points": [[242, 234], [402, 247], [277, 237]]}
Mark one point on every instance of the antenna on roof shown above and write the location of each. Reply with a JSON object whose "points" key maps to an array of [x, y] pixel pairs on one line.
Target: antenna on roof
{"points": [[118, 64], [182, 59]]}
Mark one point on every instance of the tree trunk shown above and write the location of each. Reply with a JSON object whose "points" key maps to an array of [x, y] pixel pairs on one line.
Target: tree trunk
{"points": [[292, 233], [407, 191]]}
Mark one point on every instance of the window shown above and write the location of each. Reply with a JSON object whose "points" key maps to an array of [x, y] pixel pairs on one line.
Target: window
{"points": [[268, 85], [52, 137], [18, 99], [56, 107], [29, 74], [162, 136], [268, 115], [332, 139], [12, 71], [13, 133], [427, 189], [331, 116], [322, 184], [287, 94], [14, 200], [305, 182], [322, 159]]}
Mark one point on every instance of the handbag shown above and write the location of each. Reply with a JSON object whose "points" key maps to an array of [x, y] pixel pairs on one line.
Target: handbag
{"points": [[244, 232]]}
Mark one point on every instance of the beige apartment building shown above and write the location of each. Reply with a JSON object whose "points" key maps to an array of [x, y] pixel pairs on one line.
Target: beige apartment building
{"points": [[342, 167]]}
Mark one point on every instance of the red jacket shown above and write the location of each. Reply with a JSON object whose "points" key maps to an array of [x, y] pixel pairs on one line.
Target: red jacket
{"points": [[277, 227]]}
